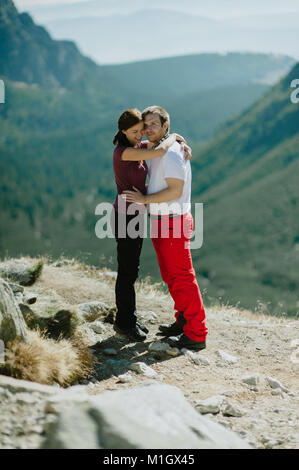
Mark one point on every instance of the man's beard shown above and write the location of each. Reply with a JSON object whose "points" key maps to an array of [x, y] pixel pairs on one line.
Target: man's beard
{"points": [[155, 139]]}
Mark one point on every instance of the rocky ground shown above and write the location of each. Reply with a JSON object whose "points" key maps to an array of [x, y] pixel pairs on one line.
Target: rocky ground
{"points": [[246, 379]]}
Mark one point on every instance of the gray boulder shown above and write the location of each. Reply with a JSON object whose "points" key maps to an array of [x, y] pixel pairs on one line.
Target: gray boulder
{"points": [[93, 310], [155, 416], [12, 323], [21, 271], [75, 429]]}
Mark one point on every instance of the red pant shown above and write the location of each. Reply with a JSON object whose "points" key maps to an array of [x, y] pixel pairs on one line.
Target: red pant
{"points": [[177, 271]]}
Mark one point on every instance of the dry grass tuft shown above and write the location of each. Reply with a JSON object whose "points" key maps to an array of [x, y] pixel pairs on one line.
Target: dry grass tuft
{"points": [[48, 361], [151, 289]]}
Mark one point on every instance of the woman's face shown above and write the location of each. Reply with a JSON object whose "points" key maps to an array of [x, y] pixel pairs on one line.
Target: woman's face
{"points": [[135, 133]]}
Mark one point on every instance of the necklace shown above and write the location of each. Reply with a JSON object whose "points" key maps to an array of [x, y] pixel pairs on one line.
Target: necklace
{"points": [[161, 140]]}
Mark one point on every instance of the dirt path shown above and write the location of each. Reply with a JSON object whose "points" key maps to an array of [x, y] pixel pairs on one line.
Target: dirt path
{"points": [[261, 345]]}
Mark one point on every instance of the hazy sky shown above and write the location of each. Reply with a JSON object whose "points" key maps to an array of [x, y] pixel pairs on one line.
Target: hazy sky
{"points": [[213, 8], [25, 3]]}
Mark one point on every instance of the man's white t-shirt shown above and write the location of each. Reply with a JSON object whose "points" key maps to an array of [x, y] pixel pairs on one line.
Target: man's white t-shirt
{"points": [[171, 165]]}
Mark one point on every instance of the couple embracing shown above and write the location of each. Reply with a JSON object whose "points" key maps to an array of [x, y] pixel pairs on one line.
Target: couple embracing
{"points": [[164, 159]]}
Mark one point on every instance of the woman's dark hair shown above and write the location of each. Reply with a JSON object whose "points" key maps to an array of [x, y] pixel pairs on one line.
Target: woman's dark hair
{"points": [[129, 118]]}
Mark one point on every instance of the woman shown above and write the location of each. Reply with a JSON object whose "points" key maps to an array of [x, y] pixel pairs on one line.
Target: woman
{"points": [[130, 171]]}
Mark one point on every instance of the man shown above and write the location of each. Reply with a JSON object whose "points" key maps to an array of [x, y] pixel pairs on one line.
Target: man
{"points": [[169, 199]]}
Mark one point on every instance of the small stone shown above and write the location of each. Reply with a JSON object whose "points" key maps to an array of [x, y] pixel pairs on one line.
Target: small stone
{"points": [[125, 378], [97, 327], [142, 368], [210, 405], [196, 358], [233, 410], [110, 352], [274, 383], [158, 346], [174, 352], [228, 393], [201, 360], [149, 316], [187, 352], [30, 298], [264, 438], [92, 310], [90, 336], [270, 444], [227, 357], [251, 379]]}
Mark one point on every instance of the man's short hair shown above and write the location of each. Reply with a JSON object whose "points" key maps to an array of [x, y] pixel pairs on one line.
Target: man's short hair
{"points": [[162, 113]]}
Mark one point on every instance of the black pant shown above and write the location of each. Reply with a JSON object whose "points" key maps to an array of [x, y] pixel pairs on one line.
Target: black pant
{"points": [[128, 256]]}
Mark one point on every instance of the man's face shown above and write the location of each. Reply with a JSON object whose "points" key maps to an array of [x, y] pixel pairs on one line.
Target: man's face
{"points": [[153, 128]]}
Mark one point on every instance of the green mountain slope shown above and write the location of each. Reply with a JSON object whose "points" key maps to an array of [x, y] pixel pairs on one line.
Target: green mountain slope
{"points": [[176, 76], [248, 180], [29, 54]]}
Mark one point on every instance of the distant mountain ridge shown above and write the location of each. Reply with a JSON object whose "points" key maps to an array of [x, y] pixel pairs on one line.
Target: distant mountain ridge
{"points": [[185, 30], [214, 9]]}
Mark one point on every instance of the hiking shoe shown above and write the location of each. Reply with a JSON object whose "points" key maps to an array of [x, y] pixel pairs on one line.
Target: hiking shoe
{"points": [[134, 332], [182, 341], [142, 327], [174, 328]]}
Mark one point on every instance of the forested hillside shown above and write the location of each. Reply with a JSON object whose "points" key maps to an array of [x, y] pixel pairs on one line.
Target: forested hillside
{"points": [[248, 181]]}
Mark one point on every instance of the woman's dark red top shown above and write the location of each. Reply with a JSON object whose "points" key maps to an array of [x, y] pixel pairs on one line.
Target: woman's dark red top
{"points": [[128, 174]]}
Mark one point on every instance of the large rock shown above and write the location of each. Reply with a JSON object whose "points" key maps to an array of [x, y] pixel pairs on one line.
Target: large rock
{"points": [[17, 386], [74, 430], [144, 417], [21, 270], [93, 310], [12, 323]]}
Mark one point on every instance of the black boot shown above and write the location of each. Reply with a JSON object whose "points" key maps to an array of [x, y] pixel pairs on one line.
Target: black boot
{"points": [[182, 341], [173, 329], [134, 332]]}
